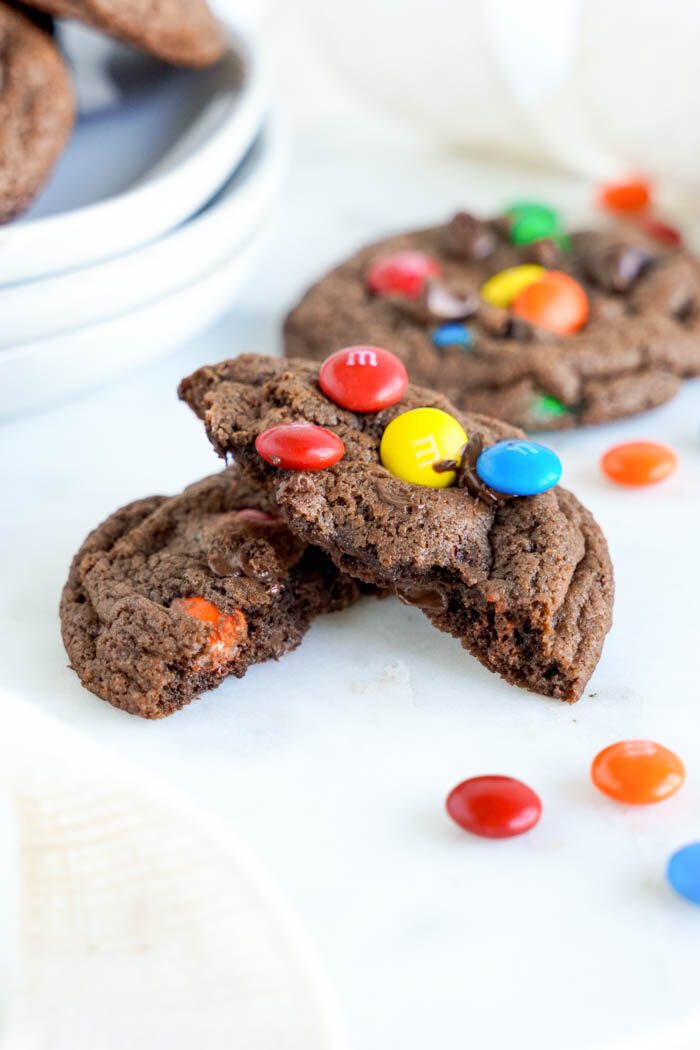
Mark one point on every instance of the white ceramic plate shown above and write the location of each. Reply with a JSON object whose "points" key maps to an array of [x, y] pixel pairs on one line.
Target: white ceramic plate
{"points": [[134, 171], [58, 368], [42, 309]]}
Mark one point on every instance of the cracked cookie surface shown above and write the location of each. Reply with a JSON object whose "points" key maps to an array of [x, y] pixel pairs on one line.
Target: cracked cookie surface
{"points": [[526, 584], [220, 544], [642, 337]]}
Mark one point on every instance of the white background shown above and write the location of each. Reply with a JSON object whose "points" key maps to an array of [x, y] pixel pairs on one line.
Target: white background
{"points": [[335, 762]]}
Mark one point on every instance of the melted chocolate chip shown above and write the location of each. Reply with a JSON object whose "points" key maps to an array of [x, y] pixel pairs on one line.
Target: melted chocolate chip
{"points": [[466, 237], [467, 477], [438, 303], [385, 490], [545, 253], [430, 598], [616, 267]]}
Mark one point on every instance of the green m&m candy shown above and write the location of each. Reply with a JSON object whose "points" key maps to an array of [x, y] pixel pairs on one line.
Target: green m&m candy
{"points": [[532, 222]]}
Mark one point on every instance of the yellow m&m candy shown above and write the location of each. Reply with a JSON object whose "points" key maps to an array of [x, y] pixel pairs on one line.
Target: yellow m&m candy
{"points": [[417, 439], [503, 287]]}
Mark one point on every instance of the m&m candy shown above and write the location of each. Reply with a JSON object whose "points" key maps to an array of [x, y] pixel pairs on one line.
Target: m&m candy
{"points": [[401, 273], [416, 440], [546, 407], [638, 463], [453, 334], [637, 772], [494, 807], [662, 232], [299, 446], [625, 197], [519, 468], [363, 378], [503, 287], [683, 872], [228, 630], [530, 222], [556, 302]]}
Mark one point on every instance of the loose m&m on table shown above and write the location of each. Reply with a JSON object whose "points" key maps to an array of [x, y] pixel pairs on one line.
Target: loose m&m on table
{"points": [[638, 463], [299, 446], [637, 772], [683, 872], [494, 807], [363, 378]]}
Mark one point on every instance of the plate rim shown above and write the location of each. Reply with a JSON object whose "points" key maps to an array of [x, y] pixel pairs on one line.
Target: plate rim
{"points": [[252, 187], [154, 204]]}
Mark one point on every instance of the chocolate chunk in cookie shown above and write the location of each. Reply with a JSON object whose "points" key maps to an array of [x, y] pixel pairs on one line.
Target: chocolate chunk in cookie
{"points": [[526, 584], [37, 110], [632, 337], [183, 32], [169, 596]]}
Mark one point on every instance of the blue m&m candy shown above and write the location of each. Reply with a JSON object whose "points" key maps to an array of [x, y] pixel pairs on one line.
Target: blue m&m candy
{"points": [[453, 334], [519, 468], [683, 872]]}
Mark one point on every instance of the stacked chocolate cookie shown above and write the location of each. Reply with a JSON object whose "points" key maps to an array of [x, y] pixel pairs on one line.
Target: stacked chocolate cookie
{"points": [[347, 479], [37, 108]]}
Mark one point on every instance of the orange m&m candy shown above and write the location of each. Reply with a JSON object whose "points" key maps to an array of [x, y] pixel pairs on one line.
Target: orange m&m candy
{"points": [[626, 197], [556, 302], [228, 630], [637, 772], [638, 463]]}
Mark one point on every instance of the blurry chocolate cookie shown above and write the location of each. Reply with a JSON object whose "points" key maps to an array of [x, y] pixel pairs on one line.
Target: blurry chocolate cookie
{"points": [[37, 110], [184, 32]]}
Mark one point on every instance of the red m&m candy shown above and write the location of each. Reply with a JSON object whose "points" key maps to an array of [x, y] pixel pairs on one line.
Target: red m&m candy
{"points": [[556, 302], [363, 378], [494, 807], [401, 273], [299, 446], [638, 463], [662, 232], [637, 772]]}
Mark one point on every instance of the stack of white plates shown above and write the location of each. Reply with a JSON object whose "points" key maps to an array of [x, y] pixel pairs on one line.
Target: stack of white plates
{"points": [[153, 217]]}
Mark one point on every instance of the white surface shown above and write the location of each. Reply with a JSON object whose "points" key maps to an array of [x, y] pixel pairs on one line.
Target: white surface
{"points": [[9, 905], [335, 762], [52, 369], [144, 922], [42, 309], [152, 162]]}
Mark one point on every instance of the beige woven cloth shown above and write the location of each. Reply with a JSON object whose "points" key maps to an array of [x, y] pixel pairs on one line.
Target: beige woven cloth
{"points": [[142, 922]]}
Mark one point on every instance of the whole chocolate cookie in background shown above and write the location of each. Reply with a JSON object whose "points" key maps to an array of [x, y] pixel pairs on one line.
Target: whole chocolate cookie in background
{"points": [[170, 595], [625, 326], [37, 110], [526, 584], [183, 32]]}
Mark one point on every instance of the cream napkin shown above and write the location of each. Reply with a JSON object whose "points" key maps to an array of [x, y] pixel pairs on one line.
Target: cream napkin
{"points": [[143, 922]]}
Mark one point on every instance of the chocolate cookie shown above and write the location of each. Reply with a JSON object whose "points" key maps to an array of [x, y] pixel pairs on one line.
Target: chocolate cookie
{"points": [[169, 596], [183, 32], [635, 333], [526, 584], [37, 110]]}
